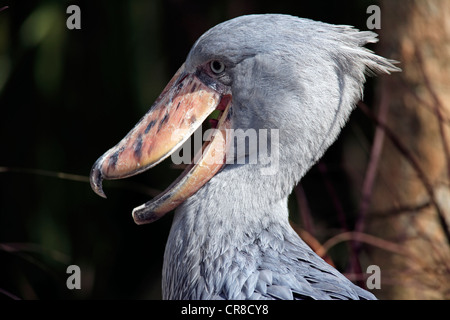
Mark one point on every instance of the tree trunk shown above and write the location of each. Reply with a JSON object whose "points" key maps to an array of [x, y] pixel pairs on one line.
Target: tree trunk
{"points": [[410, 202]]}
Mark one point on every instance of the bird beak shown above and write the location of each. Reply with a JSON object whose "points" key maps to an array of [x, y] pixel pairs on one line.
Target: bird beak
{"points": [[180, 109]]}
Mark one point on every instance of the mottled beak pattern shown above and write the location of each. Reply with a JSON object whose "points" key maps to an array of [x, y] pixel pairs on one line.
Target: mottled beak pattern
{"points": [[181, 108]]}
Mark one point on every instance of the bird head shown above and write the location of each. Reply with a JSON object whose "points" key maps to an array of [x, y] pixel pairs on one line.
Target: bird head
{"points": [[297, 78]]}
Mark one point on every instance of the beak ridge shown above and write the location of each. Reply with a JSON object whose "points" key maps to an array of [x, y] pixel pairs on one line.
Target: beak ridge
{"points": [[182, 107]]}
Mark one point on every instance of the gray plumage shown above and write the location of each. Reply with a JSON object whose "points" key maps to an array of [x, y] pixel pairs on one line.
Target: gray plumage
{"points": [[232, 239]]}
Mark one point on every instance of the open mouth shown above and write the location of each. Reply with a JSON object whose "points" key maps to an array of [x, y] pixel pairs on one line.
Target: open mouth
{"points": [[182, 107]]}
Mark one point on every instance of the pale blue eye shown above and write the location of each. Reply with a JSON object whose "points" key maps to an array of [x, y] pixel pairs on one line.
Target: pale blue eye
{"points": [[216, 66]]}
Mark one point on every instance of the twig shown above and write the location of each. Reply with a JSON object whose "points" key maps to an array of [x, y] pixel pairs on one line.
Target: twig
{"points": [[403, 209], [437, 109], [361, 237], [311, 241], [412, 161], [332, 192], [9, 294], [424, 104], [80, 178], [374, 159], [40, 172], [354, 262], [36, 248], [305, 212]]}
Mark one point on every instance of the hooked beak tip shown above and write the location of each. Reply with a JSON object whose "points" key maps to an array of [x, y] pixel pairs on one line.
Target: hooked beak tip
{"points": [[96, 179], [143, 215]]}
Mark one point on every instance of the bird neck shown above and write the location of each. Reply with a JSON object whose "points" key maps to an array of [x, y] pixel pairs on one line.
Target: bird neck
{"points": [[229, 216]]}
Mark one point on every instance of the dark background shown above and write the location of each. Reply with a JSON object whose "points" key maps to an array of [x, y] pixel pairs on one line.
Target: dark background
{"points": [[66, 96]]}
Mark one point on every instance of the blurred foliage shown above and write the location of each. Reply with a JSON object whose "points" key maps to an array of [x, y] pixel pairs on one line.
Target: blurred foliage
{"points": [[66, 96]]}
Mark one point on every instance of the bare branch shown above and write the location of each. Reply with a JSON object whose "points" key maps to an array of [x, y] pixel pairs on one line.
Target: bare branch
{"points": [[362, 237], [130, 185], [374, 159], [305, 212], [437, 109], [354, 261], [412, 161]]}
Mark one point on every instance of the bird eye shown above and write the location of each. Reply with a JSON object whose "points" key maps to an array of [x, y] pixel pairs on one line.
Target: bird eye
{"points": [[217, 66]]}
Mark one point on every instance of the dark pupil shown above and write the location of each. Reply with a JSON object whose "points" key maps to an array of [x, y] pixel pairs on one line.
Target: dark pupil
{"points": [[216, 66]]}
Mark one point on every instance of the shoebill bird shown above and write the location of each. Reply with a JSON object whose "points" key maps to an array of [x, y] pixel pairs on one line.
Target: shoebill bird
{"points": [[231, 239]]}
